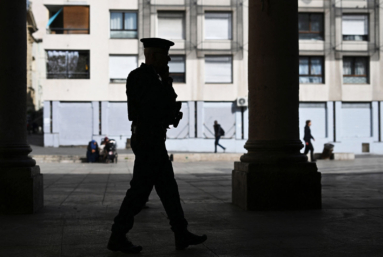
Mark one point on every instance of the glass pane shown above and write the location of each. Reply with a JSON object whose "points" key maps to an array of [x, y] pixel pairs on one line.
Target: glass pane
{"points": [[178, 77], [355, 80], [360, 66], [316, 22], [56, 64], [217, 25], [303, 65], [218, 69], [78, 64], [130, 20], [116, 20], [316, 66], [316, 80], [171, 25], [310, 80], [310, 36], [355, 37], [304, 80], [304, 22], [177, 64], [123, 34], [347, 66]]}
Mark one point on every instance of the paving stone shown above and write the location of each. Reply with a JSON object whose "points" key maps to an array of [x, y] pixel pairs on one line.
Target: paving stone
{"points": [[81, 201]]}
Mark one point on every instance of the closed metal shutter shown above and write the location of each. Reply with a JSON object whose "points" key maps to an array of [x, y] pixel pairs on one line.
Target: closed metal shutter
{"points": [[317, 113], [224, 113], [118, 122], [75, 123], [356, 120]]}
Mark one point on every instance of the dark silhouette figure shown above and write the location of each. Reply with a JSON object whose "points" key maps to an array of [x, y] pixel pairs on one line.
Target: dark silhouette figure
{"points": [[152, 107], [218, 132], [93, 152], [307, 138]]}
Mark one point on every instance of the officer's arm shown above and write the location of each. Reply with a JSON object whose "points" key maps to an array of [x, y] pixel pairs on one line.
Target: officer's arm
{"points": [[175, 114]]}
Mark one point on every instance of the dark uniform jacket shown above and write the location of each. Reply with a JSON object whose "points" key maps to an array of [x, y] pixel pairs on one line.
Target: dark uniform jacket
{"points": [[151, 102], [307, 137]]}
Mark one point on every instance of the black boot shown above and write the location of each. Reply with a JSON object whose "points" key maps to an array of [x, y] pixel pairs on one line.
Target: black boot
{"points": [[186, 238], [122, 244]]}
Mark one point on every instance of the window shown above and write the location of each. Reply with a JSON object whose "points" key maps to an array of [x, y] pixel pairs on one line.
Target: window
{"points": [[68, 20], [120, 66], [310, 26], [311, 70], [218, 69], [218, 25], [123, 25], [171, 25], [355, 27], [355, 70], [177, 68], [67, 64]]}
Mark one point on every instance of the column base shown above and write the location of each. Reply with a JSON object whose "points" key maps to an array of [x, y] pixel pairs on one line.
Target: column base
{"points": [[276, 186], [21, 190]]}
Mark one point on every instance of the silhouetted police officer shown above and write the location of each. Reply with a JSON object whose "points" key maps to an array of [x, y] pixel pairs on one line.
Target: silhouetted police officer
{"points": [[152, 107]]}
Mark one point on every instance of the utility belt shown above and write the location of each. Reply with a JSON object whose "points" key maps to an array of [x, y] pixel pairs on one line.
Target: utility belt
{"points": [[148, 129]]}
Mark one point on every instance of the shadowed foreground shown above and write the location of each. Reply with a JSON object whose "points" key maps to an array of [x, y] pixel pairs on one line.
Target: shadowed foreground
{"points": [[81, 201]]}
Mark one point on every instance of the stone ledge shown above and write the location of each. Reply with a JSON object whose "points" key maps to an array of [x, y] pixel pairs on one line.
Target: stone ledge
{"points": [[336, 156], [276, 186], [177, 157], [195, 157]]}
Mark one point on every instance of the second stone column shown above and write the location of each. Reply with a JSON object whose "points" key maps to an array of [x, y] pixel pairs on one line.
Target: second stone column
{"points": [[274, 175]]}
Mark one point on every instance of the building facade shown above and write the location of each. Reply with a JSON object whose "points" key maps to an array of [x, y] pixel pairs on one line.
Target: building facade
{"points": [[89, 47]]}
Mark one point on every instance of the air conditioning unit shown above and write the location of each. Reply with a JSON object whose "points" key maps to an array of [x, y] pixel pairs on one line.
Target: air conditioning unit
{"points": [[242, 102]]}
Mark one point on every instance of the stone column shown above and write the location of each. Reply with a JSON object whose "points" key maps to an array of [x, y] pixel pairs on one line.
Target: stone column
{"points": [[274, 175], [21, 184]]}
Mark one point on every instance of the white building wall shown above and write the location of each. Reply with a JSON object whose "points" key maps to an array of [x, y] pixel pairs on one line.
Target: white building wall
{"points": [[198, 96]]}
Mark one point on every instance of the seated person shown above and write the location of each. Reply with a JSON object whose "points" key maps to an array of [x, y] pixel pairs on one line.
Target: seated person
{"points": [[92, 153], [106, 148]]}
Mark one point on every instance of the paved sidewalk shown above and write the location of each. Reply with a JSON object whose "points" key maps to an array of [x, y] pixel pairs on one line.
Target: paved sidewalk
{"points": [[81, 201]]}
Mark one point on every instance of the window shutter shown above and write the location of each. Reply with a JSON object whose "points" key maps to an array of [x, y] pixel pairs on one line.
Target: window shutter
{"points": [[355, 25], [356, 120], [218, 69], [121, 66], [171, 25], [217, 25], [76, 17]]}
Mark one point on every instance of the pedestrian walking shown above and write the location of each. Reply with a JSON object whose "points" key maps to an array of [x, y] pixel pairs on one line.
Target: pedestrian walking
{"points": [[218, 132], [307, 138], [152, 108]]}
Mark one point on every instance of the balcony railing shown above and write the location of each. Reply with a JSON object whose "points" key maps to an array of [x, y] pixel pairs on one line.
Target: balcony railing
{"points": [[68, 75], [67, 31]]}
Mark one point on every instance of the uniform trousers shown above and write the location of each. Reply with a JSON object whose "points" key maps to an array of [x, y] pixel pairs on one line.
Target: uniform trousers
{"points": [[152, 167]]}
